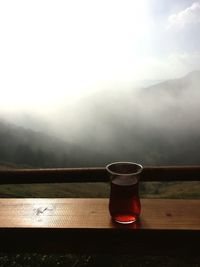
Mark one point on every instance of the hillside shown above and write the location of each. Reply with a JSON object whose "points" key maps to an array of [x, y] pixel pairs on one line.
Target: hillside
{"points": [[27, 148], [159, 124]]}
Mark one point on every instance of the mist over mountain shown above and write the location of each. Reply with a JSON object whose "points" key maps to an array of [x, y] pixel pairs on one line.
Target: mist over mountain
{"points": [[27, 148], [158, 124]]}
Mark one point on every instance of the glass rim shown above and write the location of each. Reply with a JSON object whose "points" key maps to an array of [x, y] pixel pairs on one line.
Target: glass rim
{"points": [[124, 162]]}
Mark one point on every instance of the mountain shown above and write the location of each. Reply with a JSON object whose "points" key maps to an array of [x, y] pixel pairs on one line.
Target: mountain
{"points": [[28, 148], [159, 124], [176, 87]]}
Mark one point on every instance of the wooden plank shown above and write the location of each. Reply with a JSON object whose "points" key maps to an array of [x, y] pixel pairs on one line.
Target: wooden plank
{"points": [[84, 225], [157, 214], [171, 173], [53, 175], [64, 175]]}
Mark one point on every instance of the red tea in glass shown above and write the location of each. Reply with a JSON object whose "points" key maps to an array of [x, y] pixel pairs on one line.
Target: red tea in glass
{"points": [[124, 203]]}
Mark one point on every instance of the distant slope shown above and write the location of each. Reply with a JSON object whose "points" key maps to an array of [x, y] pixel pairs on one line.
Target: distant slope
{"points": [[159, 124], [176, 87], [28, 148]]}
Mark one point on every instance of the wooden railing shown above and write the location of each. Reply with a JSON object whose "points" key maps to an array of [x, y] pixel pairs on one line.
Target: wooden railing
{"points": [[98, 174], [54, 225]]}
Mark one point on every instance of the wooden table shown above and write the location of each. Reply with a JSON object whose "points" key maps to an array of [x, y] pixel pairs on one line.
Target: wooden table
{"points": [[85, 225]]}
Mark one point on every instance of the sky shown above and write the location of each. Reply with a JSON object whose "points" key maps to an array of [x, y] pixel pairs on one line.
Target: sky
{"points": [[52, 52]]}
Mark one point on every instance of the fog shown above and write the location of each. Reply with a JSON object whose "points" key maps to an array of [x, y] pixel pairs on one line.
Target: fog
{"points": [[158, 124], [120, 79]]}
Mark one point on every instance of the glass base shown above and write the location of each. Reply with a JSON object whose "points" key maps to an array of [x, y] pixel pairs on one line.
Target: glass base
{"points": [[122, 222], [123, 219]]}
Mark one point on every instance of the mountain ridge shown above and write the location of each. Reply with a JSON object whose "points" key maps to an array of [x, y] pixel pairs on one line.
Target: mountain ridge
{"points": [[159, 124], [30, 148]]}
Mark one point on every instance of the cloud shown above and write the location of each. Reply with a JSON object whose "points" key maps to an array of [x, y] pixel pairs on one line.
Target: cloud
{"points": [[188, 16], [171, 66]]}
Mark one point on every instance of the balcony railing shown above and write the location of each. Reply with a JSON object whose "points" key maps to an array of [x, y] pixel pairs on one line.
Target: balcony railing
{"points": [[96, 174], [55, 224]]}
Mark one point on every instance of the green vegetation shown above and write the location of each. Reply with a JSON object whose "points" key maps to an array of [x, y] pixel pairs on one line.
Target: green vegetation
{"points": [[24, 147], [148, 190]]}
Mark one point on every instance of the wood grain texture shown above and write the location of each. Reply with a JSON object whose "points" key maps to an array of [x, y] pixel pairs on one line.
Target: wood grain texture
{"points": [[85, 226], [157, 214]]}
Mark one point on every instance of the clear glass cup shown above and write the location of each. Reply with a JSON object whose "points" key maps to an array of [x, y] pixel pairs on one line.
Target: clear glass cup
{"points": [[124, 202]]}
